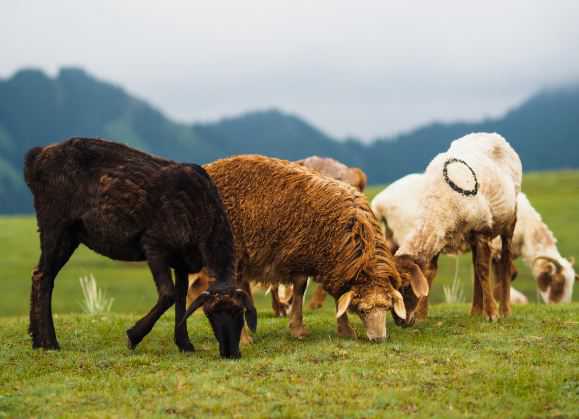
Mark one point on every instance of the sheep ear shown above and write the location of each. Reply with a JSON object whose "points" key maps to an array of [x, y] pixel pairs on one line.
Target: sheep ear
{"points": [[398, 304], [344, 303], [198, 283], [571, 260], [194, 306], [250, 311], [418, 282]]}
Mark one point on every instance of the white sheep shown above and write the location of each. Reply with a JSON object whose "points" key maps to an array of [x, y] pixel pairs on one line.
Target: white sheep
{"points": [[398, 207], [536, 244], [468, 197]]}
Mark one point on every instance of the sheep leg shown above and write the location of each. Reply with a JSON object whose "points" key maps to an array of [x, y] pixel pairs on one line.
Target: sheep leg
{"points": [[513, 275], [477, 296], [181, 334], [296, 322], [166, 297], [422, 307], [344, 328], [318, 298], [57, 248], [279, 308], [504, 275], [481, 253], [34, 315], [245, 338]]}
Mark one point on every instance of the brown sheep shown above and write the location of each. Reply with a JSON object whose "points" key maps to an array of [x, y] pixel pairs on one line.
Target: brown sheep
{"points": [[128, 205], [290, 223], [336, 170]]}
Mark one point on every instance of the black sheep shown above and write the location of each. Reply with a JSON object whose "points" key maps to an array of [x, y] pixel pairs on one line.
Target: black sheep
{"points": [[128, 205]]}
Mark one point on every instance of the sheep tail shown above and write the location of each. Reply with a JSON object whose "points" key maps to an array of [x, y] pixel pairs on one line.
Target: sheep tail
{"points": [[29, 164]]}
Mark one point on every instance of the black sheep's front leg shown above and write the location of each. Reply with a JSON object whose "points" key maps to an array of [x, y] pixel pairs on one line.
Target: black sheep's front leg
{"points": [[181, 334], [166, 291]]}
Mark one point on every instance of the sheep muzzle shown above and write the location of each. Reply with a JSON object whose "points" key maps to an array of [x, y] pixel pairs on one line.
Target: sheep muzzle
{"points": [[375, 324], [226, 309]]}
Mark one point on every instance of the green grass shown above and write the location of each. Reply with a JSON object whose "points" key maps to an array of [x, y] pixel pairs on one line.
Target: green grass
{"points": [[450, 365]]}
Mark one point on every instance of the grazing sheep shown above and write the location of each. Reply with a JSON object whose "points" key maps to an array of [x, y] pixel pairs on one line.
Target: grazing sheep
{"points": [[339, 171], [398, 207], [290, 223], [128, 205], [468, 197], [536, 244], [329, 167]]}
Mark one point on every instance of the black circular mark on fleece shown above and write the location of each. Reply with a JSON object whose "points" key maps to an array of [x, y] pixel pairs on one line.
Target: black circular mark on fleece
{"points": [[453, 185]]}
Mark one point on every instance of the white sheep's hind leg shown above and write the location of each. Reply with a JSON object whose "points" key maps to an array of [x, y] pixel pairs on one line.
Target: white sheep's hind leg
{"points": [[504, 273], [296, 321], [481, 255]]}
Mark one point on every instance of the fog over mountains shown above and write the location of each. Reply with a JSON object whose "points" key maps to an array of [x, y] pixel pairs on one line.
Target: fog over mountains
{"points": [[36, 109]]}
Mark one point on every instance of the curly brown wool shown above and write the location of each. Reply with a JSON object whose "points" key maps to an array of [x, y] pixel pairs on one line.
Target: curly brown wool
{"points": [[289, 223]]}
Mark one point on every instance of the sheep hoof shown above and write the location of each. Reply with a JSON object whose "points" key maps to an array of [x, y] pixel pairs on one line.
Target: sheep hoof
{"points": [[130, 344], [505, 312], [345, 332], [280, 312], [187, 347], [492, 317], [47, 346], [245, 339], [476, 311], [183, 343], [132, 341], [299, 332]]}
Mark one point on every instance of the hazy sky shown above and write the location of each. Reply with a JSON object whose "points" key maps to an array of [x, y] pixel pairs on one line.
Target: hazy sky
{"points": [[365, 68]]}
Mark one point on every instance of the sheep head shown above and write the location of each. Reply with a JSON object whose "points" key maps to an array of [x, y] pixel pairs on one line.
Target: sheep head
{"points": [[555, 278], [372, 303], [361, 180], [414, 286], [225, 308]]}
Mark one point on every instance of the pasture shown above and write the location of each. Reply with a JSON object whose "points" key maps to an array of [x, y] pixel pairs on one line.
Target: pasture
{"points": [[450, 365]]}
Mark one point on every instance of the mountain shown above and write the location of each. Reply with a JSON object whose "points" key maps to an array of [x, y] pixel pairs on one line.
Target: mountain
{"points": [[544, 130], [36, 110]]}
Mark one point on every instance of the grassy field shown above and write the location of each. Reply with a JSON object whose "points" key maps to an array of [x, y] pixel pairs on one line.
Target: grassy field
{"points": [[450, 365]]}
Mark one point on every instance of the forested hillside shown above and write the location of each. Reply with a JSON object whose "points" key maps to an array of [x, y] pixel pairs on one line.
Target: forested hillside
{"points": [[36, 109]]}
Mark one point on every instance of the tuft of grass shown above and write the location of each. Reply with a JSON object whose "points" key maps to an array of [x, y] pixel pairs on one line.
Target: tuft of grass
{"points": [[454, 292], [95, 300]]}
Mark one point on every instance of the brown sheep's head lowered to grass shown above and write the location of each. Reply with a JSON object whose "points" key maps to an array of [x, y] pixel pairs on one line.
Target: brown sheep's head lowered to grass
{"points": [[372, 304], [414, 287], [226, 308]]}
